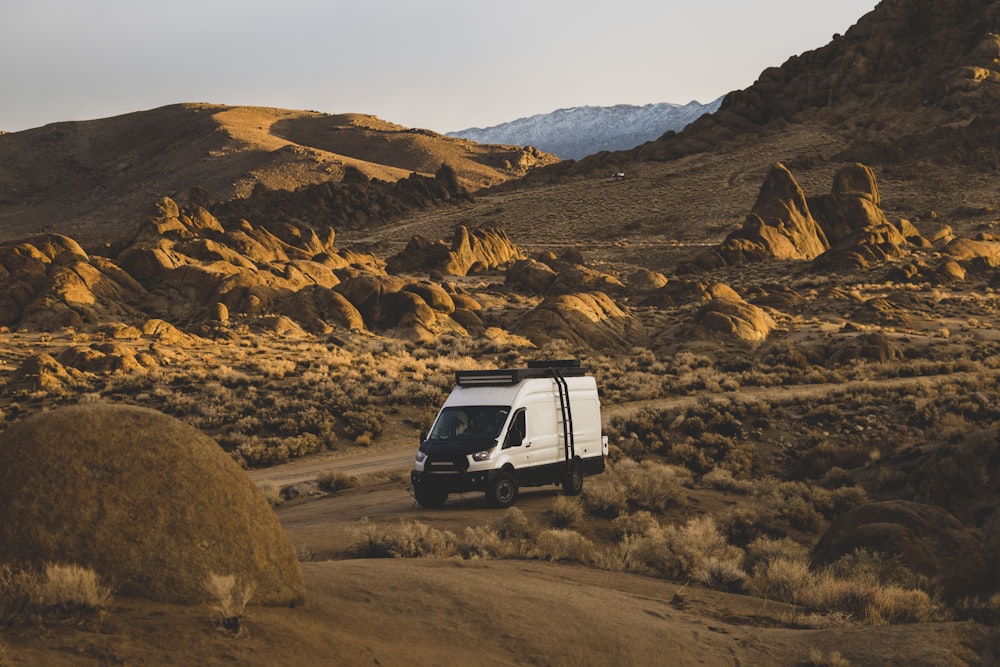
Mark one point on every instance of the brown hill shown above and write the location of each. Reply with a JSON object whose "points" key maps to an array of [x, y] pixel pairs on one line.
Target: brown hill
{"points": [[910, 82], [89, 179]]}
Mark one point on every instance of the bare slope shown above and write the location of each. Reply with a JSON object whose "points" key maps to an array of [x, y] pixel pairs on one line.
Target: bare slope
{"points": [[89, 179]]}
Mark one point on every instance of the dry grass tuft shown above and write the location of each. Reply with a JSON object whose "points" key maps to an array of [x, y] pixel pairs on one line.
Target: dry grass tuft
{"points": [[335, 480], [71, 588], [228, 599], [833, 659], [61, 588], [18, 592], [271, 490]]}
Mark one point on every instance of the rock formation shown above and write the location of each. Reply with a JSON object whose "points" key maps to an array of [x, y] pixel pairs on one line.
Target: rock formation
{"points": [[484, 249], [926, 539], [148, 502], [728, 314], [590, 319], [548, 274]]}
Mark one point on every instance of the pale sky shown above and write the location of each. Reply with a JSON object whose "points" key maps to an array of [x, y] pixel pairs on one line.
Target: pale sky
{"points": [[443, 65]]}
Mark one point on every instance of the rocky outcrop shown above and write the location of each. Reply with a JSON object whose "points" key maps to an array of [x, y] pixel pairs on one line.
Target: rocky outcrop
{"points": [[41, 372], [780, 226], [726, 313], [482, 250], [548, 274], [590, 319], [844, 230], [49, 282], [892, 61], [926, 539], [146, 501]]}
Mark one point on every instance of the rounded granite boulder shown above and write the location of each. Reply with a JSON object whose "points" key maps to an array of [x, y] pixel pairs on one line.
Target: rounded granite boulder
{"points": [[151, 504]]}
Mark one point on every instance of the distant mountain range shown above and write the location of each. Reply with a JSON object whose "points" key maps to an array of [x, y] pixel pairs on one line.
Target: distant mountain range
{"points": [[580, 131]]}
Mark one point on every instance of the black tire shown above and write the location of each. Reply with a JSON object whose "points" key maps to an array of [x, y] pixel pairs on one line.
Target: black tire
{"points": [[573, 482], [430, 497], [502, 491]]}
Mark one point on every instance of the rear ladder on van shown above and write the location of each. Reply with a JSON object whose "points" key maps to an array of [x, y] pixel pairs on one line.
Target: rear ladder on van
{"points": [[565, 409]]}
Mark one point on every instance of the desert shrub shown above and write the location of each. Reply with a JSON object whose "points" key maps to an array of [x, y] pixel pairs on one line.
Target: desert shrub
{"points": [[228, 598], [333, 481], [406, 540], [485, 542], [744, 523], [562, 544], [71, 588], [271, 491], [764, 550], [513, 524], [565, 512], [866, 600], [861, 586], [801, 505], [780, 578], [638, 524], [678, 551], [722, 574], [604, 497], [874, 566], [369, 419], [653, 486], [723, 480]]}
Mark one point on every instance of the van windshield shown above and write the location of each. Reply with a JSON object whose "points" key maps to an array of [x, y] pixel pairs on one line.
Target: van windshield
{"points": [[470, 422]]}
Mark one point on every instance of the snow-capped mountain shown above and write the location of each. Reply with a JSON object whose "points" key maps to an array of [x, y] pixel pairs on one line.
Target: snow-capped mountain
{"points": [[580, 131]]}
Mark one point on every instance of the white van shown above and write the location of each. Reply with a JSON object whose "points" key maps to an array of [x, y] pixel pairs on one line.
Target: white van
{"points": [[503, 429]]}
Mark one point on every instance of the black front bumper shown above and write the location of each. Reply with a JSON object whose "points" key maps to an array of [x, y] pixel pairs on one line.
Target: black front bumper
{"points": [[457, 481]]}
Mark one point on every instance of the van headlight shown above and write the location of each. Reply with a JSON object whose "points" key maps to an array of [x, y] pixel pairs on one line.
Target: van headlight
{"points": [[421, 456], [483, 455]]}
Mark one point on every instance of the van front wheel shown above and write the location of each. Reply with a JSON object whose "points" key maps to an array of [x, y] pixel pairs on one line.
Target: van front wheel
{"points": [[502, 491], [573, 482]]}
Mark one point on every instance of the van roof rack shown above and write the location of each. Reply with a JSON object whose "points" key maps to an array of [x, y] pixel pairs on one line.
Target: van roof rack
{"points": [[511, 376], [553, 363]]}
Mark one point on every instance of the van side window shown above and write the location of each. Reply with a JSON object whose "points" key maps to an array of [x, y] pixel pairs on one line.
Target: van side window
{"points": [[515, 435]]}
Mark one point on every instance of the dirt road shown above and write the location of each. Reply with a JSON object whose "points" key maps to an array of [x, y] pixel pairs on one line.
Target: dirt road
{"points": [[396, 449]]}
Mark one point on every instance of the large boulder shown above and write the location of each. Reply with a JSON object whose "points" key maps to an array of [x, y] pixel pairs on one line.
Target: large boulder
{"points": [[588, 319], [926, 539], [780, 226], [728, 314], [151, 504]]}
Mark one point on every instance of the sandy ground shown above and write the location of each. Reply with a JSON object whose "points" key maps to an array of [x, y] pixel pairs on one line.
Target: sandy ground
{"points": [[447, 612]]}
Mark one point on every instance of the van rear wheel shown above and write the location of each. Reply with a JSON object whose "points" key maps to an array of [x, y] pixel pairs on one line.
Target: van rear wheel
{"points": [[502, 491], [573, 482]]}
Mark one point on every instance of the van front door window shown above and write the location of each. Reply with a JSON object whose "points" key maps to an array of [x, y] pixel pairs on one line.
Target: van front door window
{"points": [[515, 436]]}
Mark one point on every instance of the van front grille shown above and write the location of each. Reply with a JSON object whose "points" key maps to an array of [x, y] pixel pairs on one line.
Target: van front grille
{"points": [[447, 464]]}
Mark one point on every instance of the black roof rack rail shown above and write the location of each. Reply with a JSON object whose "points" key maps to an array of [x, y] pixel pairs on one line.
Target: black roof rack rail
{"points": [[554, 363], [511, 376]]}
